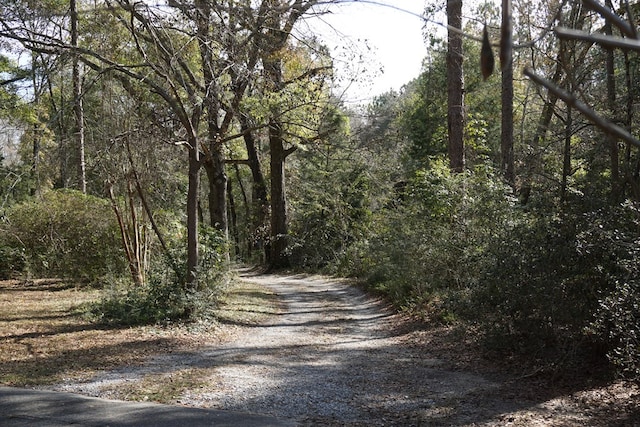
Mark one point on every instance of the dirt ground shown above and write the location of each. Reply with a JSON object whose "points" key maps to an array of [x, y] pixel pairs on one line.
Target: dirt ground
{"points": [[321, 352]]}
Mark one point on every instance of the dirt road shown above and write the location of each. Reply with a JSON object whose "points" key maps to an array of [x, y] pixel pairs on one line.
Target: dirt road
{"points": [[333, 357], [330, 359]]}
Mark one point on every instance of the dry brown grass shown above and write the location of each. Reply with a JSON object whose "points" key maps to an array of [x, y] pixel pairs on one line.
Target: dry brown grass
{"points": [[45, 337]]}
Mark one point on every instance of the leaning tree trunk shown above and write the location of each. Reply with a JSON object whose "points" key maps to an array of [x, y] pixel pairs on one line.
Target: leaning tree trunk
{"points": [[455, 86]]}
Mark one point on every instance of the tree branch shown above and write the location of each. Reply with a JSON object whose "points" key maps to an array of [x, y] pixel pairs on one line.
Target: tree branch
{"points": [[588, 112], [611, 16], [601, 39]]}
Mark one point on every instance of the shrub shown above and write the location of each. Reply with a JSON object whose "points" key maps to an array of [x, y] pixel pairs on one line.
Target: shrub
{"points": [[618, 322], [165, 297], [65, 233], [617, 319], [327, 223], [12, 261], [551, 276], [427, 248], [159, 300]]}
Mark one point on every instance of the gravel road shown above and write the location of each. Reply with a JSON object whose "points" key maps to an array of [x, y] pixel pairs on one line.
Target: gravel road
{"points": [[333, 357]]}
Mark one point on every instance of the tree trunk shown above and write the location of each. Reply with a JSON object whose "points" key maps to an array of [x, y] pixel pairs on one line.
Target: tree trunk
{"points": [[566, 162], [129, 247], [233, 225], [631, 173], [77, 101], [279, 230], [192, 217], [260, 208], [35, 162], [611, 104], [247, 213], [506, 141], [455, 86], [214, 162], [217, 177], [279, 27]]}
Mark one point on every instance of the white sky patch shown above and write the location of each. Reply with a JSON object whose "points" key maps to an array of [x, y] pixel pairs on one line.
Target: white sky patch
{"points": [[382, 46]]}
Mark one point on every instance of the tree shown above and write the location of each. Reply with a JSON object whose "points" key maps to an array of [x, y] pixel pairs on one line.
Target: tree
{"points": [[455, 86], [260, 206], [279, 26], [78, 110], [613, 111], [506, 62]]}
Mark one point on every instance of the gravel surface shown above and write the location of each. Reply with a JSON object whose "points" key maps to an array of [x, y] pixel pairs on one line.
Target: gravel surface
{"points": [[331, 357]]}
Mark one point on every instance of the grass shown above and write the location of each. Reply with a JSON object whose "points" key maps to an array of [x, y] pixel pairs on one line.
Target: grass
{"points": [[45, 338]]}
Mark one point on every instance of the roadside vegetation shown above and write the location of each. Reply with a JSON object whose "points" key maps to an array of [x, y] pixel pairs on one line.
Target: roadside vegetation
{"points": [[48, 337]]}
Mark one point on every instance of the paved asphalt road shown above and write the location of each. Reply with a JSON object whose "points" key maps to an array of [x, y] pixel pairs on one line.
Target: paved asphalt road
{"points": [[35, 408]]}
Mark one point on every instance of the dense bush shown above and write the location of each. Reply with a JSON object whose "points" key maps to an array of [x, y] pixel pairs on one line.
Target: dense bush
{"points": [[328, 225], [165, 297], [555, 282], [550, 275], [618, 323], [64, 234], [617, 320], [12, 261], [427, 244]]}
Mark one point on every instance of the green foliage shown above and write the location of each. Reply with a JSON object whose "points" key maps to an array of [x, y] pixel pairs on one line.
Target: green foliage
{"points": [[165, 297], [562, 283], [547, 282], [159, 300], [427, 245], [65, 234], [617, 319], [12, 261], [328, 222], [12, 106], [15, 183], [423, 115], [537, 286], [617, 322]]}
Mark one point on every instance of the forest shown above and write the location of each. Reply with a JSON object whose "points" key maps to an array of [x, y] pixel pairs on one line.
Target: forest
{"points": [[149, 147]]}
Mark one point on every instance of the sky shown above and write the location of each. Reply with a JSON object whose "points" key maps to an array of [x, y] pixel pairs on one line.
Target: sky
{"points": [[391, 43]]}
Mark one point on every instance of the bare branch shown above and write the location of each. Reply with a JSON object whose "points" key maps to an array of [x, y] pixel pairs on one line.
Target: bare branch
{"points": [[601, 39], [588, 112], [611, 16]]}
